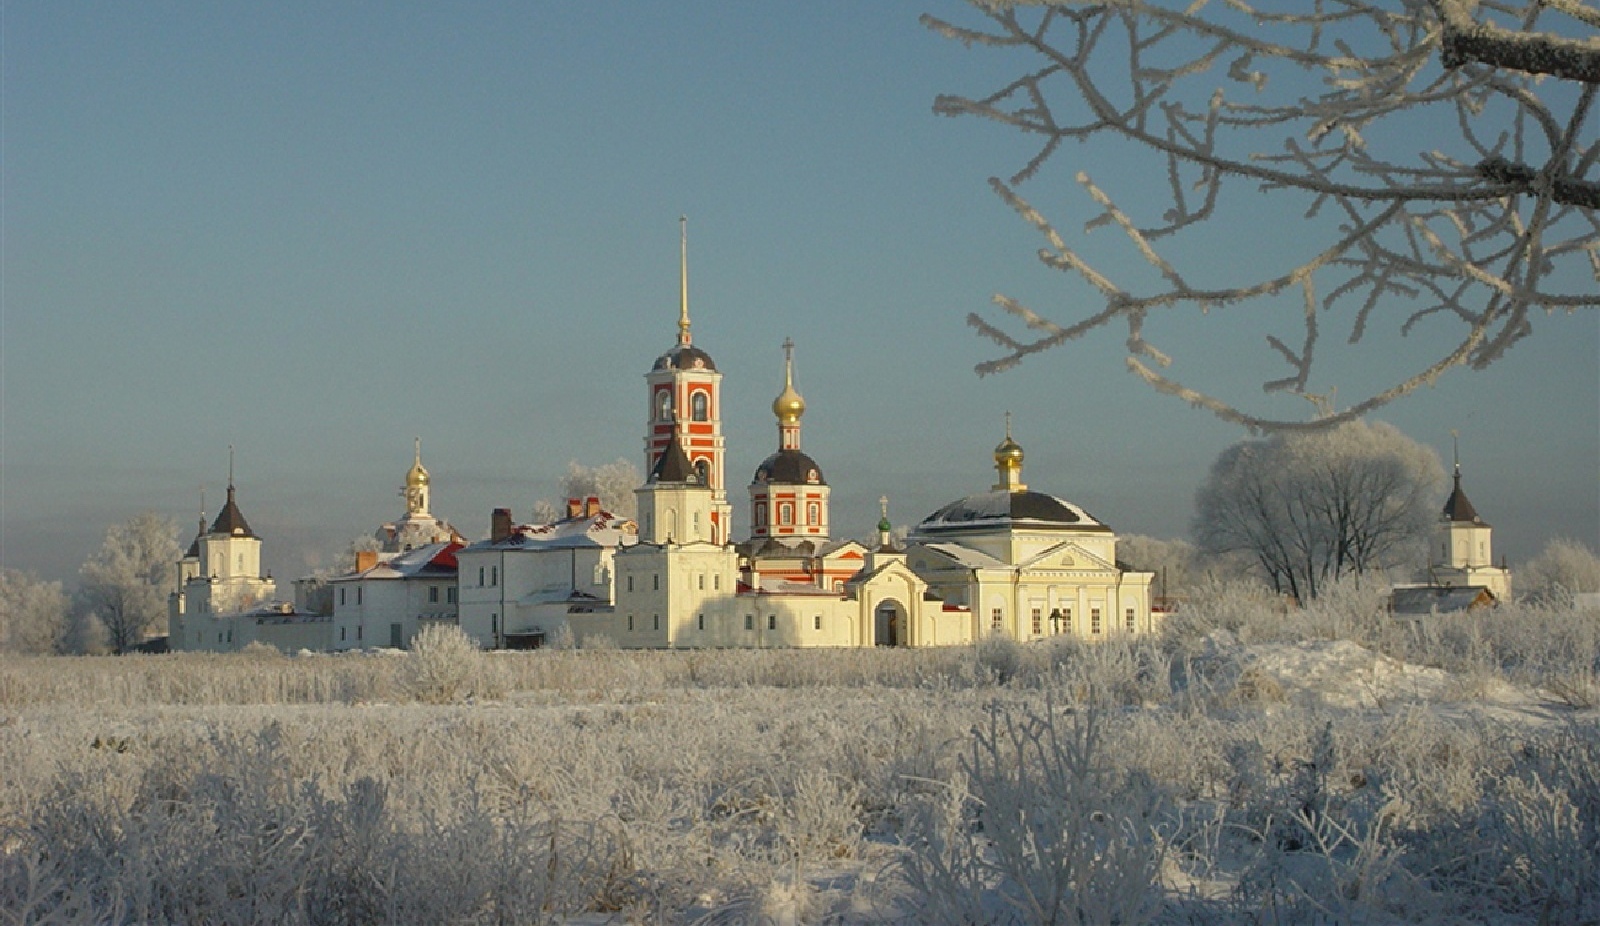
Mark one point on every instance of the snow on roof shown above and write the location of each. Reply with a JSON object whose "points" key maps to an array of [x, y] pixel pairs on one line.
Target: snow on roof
{"points": [[601, 530], [436, 560], [966, 556]]}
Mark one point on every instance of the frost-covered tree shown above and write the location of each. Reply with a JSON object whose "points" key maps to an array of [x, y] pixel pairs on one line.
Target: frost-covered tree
{"points": [[33, 613], [124, 586], [1565, 567], [1443, 153], [1312, 507], [612, 482]]}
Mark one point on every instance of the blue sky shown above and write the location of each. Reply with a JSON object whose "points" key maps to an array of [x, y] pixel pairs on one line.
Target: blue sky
{"points": [[315, 231]]}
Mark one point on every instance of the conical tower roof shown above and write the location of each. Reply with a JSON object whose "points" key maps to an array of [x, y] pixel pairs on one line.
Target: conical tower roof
{"points": [[230, 520]]}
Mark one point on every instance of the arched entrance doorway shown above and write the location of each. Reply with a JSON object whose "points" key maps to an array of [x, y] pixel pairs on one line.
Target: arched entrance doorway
{"points": [[889, 624]]}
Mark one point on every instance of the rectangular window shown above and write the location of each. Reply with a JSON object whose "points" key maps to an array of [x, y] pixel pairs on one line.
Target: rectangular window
{"points": [[494, 575], [230, 634], [995, 620], [1038, 621], [1094, 620], [358, 631], [702, 581], [433, 594], [450, 594], [480, 577], [655, 622], [358, 594], [772, 622], [1131, 622], [816, 622], [395, 640], [655, 582], [716, 581], [749, 622], [701, 622], [630, 623], [1066, 620], [341, 596], [341, 633], [630, 583], [494, 628]]}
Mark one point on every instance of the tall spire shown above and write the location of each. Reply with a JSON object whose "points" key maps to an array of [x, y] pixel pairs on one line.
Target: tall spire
{"points": [[788, 406], [230, 470], [683, 280]]}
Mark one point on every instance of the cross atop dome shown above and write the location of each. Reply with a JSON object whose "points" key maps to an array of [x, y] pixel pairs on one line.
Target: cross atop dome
{"points": [[1008, 463]]}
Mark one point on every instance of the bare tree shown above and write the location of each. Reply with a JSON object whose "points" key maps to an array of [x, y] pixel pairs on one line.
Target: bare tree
{"points": [[124, 586], [1445, 151], [1312, 507], [33, 613], [1564, 568], [613, 483]]}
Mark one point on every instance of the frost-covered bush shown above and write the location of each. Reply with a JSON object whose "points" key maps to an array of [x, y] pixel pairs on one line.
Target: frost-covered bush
{"points": [[1039, 829], [443, 664]]}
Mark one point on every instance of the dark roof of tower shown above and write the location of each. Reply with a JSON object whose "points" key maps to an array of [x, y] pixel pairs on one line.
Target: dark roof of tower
{"points": [[230, 520], [685, 357], [674, 465], [1457, 507], [790, 467], [1002, 509]]}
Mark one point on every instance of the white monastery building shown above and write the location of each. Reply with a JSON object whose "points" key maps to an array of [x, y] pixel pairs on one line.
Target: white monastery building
{"points": [[1009, 561]]}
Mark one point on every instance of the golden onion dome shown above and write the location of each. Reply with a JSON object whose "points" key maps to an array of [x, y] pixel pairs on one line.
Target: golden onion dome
{"points": [[788, 406], [1008, 451]]}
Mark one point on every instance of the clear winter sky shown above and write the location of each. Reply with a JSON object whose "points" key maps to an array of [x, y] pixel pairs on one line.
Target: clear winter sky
{"points": [[315, 231]]}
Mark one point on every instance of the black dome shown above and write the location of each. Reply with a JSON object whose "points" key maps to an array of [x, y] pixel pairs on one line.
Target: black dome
{"points": [[790, 467], [685, 357], [1034, 510]]}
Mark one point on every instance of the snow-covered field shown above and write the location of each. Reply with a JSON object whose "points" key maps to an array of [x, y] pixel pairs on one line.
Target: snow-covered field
{"points": [[1328, 765]]}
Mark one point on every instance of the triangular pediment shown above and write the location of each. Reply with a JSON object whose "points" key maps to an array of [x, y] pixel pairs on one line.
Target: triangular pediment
{"points": [[1066, 555]]}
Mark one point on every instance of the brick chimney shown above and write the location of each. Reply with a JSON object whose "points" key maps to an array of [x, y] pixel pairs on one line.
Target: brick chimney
{"points": [[366, 559], [591, 506], [574, 507], [500, 525]]}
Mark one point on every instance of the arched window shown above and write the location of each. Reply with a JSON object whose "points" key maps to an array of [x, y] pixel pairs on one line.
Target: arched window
{"points": [[702, 471], [699, 407], [786, 513], [761, 514], [664, 405], [813, 513]]}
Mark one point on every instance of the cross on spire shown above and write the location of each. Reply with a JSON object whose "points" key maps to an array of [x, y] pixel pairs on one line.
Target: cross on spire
{"points": [[683, 280]]}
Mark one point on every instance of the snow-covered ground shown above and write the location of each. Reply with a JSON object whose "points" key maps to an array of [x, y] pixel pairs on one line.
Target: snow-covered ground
{"points": [[1202, 779]]}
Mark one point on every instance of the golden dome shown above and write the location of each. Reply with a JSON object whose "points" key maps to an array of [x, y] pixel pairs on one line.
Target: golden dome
{"points": [[788, 406], [1008, 451], [417, 476]]}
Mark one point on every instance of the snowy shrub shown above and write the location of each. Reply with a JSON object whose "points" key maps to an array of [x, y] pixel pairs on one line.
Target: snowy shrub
{"points": [[1038, 829], [998, 657], [442, 664]]}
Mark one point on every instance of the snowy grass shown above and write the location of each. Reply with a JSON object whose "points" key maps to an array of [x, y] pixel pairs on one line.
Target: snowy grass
{"points": [[1255, 766]]}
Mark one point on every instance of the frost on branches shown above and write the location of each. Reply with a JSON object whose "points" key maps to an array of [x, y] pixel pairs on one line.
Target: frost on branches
{"points": [[1445, 151]]}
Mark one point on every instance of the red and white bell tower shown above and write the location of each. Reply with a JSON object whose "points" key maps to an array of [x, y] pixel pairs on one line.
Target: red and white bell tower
{"points": [[685, 395]]}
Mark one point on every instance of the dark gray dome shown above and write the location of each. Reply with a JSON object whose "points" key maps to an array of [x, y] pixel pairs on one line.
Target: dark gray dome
{"points": [[790, 467], [1002, 509], [685, 357]]}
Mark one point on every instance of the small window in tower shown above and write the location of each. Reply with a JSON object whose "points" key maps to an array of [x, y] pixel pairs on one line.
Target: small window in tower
{"points": [[240, 567], [761, 514], [813, 513], [785, 513], [699, 407], [702, 471], [664, 405]]}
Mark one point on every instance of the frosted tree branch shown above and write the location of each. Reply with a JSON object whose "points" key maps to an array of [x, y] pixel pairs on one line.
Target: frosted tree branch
{"points": [[1445, 151]]}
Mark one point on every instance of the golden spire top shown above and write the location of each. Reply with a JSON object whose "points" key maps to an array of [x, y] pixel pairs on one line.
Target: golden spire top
{"points": [[788, 406], [418, 474], [1008, 462], [683, 280]]}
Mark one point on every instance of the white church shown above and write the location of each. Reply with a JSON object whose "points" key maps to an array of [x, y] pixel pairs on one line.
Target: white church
{"points": [[1006, 561]]}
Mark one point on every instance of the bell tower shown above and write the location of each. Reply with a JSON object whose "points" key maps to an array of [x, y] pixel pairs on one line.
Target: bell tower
{"points": [[685, 407]]}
